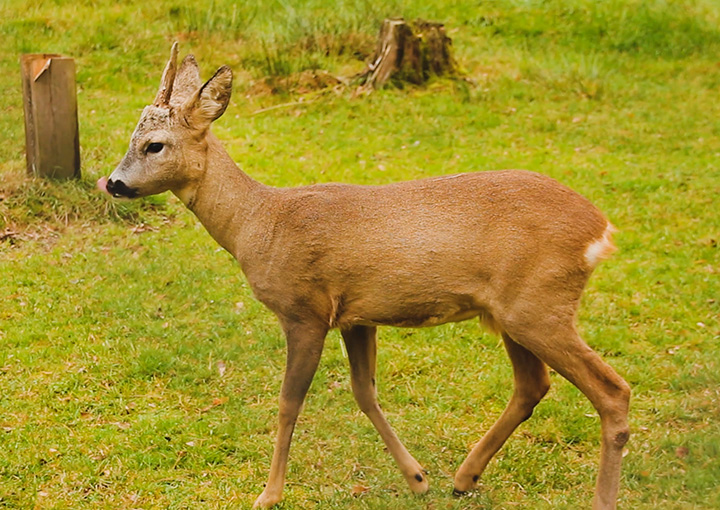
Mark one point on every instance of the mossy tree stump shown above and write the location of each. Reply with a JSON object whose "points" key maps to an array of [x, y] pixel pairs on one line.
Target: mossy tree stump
{"points": [[409, 52]]}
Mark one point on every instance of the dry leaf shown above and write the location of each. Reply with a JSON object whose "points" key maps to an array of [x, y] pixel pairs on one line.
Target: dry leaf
{"points": [[681, 452], [218, 401], [142, 227], [359, 489]]}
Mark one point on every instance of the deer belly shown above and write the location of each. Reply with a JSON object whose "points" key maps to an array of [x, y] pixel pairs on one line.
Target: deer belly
{"points": [[411, 315]]}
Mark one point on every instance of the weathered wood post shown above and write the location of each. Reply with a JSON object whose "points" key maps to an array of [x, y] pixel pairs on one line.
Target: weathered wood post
{"points": [[51, 120]]}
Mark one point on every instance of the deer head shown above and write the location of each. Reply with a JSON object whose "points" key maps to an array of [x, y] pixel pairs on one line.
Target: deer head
{"points": [[168, 149]]}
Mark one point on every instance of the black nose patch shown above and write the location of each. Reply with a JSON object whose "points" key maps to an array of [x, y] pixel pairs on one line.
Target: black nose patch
{"points": [[120, 189]]}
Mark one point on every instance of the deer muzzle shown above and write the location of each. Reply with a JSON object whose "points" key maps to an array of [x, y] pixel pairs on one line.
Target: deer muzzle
{"points": [[116, 188]]}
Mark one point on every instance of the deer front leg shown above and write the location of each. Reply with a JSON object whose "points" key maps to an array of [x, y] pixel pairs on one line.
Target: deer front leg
{"points": [[361, 345], [304, 347]]}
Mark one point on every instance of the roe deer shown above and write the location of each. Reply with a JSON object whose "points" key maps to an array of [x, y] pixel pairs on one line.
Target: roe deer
{"points": [[513, 248]]}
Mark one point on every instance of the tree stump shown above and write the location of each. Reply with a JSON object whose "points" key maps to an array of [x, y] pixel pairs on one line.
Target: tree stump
{"points": [[409, 52]]}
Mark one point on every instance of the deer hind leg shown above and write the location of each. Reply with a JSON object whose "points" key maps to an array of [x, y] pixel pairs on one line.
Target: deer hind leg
{"points": [[531, 385], [361, 345], [304, 348], [562, 349]]}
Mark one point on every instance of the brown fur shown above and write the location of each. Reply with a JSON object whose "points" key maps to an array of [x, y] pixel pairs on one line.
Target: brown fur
{"points": [[510, 247]]}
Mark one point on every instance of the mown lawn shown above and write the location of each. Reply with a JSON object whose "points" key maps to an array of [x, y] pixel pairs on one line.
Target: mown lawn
{"points": [[137, 370]]}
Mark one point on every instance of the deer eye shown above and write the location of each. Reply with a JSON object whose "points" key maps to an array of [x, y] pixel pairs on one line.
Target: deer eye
{"points": [[154, 148]]}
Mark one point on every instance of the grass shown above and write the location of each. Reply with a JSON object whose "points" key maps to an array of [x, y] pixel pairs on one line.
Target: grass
{"points": [[136, 369]]}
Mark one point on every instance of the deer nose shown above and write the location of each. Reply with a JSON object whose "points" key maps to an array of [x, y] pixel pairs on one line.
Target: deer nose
{"points": [[118, 188]]}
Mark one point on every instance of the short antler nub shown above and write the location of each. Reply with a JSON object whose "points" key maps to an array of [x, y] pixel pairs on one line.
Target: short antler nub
{"points": [[168, 78]]}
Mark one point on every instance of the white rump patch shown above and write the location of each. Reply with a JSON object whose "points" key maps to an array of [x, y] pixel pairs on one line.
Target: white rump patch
{"points": [[602, 248]]}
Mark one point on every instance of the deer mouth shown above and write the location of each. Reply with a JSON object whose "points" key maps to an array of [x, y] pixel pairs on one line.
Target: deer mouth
{"points": [[117, 189]]}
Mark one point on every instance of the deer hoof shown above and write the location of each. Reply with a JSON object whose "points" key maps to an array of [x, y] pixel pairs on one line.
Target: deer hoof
{"points": [[267, 500], [465, 483], [418, 482]]}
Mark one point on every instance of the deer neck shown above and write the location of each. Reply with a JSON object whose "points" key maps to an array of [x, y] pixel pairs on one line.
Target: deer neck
{"points": [[224, 199]]}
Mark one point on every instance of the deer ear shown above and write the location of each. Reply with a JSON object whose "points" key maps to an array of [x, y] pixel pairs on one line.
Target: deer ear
{"points": [[187, 81], [209, 102]]}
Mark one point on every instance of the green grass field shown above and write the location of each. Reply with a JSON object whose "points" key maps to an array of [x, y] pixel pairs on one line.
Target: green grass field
{"points": [[138, 372]]}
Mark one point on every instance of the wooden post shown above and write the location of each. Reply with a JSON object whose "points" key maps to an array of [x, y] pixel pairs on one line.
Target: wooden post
{"points": [[51, 120]]}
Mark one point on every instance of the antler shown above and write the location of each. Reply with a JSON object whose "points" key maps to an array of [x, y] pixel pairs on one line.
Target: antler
{"points": [[168, 78]]}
